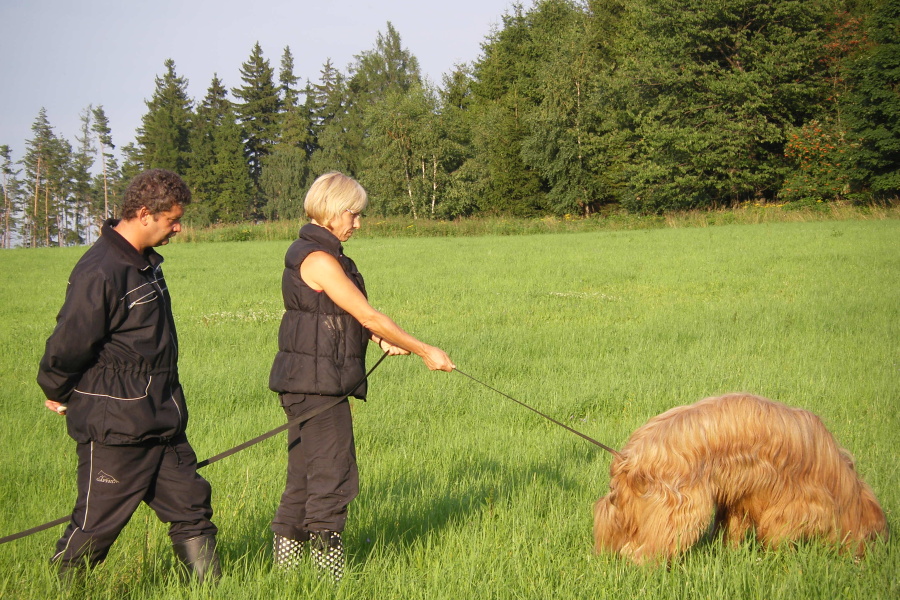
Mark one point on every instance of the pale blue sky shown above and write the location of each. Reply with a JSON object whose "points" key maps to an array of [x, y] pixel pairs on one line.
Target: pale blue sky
{"points": [[66, 54]]}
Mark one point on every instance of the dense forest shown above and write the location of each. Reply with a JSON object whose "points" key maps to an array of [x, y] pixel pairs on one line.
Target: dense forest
{"points": [[572, 107]]}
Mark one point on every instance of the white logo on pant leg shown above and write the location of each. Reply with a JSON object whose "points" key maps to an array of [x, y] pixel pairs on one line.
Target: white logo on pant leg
{"points": [[103, 477]]}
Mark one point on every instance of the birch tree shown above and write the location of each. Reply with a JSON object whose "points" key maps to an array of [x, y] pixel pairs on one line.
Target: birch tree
{"points": [[404, 159]]}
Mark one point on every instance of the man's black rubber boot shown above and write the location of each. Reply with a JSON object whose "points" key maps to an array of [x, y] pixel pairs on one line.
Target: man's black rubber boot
{"points": [[198, 555]]}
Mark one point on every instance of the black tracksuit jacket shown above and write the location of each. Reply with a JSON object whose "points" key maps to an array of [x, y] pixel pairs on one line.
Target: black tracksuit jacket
{"points": [[113, 356]]}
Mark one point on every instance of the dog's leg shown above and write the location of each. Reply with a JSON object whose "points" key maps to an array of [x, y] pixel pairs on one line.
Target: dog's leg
{"points": [[794, 519], [736, 522]]}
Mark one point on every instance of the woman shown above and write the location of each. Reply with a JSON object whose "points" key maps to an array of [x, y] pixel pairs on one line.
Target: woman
{"points": [[321, 357]]}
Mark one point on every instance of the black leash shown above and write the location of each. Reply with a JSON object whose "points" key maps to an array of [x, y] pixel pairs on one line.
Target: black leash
{"points": [[551, 419], [28, 532], [305, 417], [295, 421]]}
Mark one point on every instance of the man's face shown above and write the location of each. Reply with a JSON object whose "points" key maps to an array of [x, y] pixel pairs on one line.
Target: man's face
{"points": [[164, 225]]}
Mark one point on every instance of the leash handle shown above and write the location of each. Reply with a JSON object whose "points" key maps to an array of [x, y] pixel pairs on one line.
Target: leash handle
{"points": [[551, 419]]}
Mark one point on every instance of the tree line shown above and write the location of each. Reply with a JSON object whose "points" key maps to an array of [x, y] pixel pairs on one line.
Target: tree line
{"points": [[572, 106]]}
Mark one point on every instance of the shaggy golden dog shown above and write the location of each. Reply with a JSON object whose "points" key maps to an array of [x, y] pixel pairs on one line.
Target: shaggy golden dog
{"points": [[736, 461]]}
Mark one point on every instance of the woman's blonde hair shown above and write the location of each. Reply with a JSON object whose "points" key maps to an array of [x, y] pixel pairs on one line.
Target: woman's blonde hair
{"points": [[332, 194]]}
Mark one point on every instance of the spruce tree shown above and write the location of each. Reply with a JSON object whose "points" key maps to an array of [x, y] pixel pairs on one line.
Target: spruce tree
{"points": [[284, 181], [201, 177], [219, 176], [329, 117], [258, 112], [506, 91], [131, 168], [295, 118], [286, 167], [873, 106], [288, 80], [234, 202], [163, 139]]}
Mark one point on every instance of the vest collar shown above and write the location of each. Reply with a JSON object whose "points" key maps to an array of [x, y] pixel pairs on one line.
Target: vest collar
{"points": [[320, 235]]}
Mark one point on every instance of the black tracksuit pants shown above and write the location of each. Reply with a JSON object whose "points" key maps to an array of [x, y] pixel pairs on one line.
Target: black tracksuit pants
{"points": [[114, 480], [322, 477]]}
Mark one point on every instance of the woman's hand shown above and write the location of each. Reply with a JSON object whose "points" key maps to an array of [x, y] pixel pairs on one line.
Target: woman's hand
{"points": [[390, 348], [321, 271], [436, 359]]}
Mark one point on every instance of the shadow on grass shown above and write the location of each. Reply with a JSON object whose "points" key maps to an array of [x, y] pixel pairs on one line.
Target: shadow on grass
{"points": [[466, 491], [496, 484]]}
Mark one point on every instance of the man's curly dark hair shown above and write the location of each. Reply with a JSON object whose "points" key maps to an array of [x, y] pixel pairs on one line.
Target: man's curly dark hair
{"points": [[157, 190]]}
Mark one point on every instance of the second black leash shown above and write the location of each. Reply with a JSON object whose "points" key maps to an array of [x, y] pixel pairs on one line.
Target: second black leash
{"points": [[551, 419], [296, 421]]}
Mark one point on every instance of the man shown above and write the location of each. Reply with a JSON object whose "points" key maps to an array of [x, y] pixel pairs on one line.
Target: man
{"points": [[111, 366]]}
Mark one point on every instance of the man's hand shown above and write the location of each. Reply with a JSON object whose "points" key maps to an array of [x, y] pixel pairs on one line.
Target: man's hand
{"points": [[57, 407]]}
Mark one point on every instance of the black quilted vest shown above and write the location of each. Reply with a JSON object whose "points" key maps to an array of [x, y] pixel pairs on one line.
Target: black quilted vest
{"points": [[321, 347]]}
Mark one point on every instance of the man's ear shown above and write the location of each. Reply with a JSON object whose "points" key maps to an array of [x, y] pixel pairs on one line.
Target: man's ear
{"points": [[144, 215]]}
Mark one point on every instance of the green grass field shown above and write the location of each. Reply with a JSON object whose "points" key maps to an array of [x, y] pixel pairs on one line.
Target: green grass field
{"points": [[464, 493]]}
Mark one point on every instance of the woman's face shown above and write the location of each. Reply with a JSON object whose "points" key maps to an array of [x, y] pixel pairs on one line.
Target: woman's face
{"points": [[343, 225]]}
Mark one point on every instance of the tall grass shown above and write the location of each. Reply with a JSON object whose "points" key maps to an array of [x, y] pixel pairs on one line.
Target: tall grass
{"points": [[609, 220], [464, 493]]}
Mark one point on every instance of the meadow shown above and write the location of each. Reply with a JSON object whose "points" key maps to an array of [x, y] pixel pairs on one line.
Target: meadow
{"points": [[464, 493]]}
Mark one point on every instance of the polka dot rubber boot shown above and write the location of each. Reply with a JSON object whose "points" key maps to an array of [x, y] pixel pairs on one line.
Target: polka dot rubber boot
{"points": [[287, 553], [327, 550]]}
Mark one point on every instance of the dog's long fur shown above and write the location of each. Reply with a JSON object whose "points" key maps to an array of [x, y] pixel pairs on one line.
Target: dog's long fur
{"points": [[739, 462]]}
